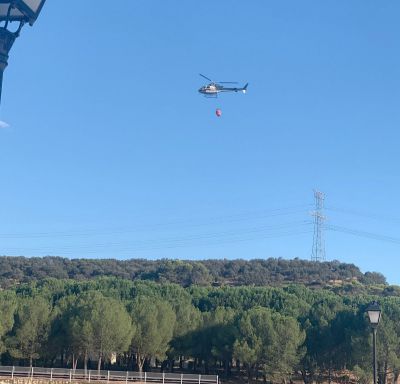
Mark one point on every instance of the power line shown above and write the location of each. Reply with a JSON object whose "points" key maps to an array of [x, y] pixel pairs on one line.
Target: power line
{"points": [[232, 235], [151, 246], [368, 215], [369, 235], [192, 223], [205, 239]]}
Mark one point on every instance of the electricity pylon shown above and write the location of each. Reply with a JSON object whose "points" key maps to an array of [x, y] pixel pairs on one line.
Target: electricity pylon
{"points": [[318, 247]]}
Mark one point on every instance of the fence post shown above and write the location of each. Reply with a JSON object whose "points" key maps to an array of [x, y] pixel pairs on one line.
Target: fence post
{"points": [[89, 374], [108, 377], [145, 377], [217, 380], [163, 378], [70, 375], [199, 379], [12, 372], [32, 372], [51, 374], [126, 380], [181, 378]]}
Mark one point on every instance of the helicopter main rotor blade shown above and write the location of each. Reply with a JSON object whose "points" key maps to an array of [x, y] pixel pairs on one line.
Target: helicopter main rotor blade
{"points": [[205, 77], [227, 82]]}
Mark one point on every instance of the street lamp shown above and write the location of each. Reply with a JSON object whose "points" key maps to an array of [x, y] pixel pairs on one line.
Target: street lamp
{"points": [[374, 315], [21, 12]]}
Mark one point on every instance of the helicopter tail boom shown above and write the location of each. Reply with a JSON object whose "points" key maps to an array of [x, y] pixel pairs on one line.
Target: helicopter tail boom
{"points": [[244, 89]]}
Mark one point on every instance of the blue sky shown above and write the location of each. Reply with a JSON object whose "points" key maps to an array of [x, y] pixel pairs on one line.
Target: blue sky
{"points": [[111, 152]]}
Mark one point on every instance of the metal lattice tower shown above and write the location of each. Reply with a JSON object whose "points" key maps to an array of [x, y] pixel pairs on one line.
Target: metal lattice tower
{"points": [[318, 247]]}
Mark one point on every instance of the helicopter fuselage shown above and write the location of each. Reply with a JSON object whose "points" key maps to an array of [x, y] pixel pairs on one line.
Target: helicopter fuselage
{"points": [[213, 89], [210, 89]]}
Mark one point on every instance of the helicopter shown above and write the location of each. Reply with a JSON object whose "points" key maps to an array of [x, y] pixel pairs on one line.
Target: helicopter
{"points": [[213, 88]]}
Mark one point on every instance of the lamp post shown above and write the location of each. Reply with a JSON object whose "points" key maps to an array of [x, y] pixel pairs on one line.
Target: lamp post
{"points": [[374, 315], [20, 12]]}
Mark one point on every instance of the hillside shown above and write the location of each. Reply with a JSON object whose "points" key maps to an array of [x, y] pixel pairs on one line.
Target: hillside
{"points": [[257, 272], [79, 317]]}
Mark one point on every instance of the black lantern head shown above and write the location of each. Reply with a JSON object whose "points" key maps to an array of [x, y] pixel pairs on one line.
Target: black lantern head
{"points": [[374, 314], [26, 11]]}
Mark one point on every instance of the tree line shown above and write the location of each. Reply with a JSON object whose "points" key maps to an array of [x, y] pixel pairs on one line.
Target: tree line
{"points": [[186, 272], [275, 333]]}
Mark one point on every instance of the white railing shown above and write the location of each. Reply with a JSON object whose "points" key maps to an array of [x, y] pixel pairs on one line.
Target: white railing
{"points": [[105, 376]]}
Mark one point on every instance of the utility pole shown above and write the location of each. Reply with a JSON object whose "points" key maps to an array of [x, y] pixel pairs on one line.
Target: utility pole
{"points": [[318, 247]]}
